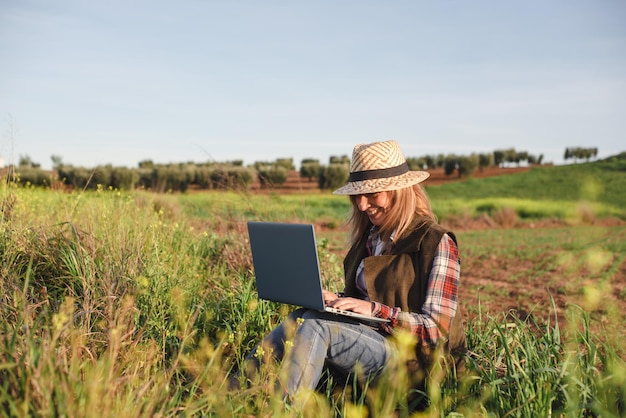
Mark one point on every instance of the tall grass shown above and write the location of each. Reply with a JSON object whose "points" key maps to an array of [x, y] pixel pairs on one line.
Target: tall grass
{"points": [[130, 305]]}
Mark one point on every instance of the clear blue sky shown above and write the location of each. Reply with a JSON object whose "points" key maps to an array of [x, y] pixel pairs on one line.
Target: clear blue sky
{"points": [[99, 82]]}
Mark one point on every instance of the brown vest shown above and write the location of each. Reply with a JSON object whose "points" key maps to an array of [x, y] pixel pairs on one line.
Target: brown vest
{"points": [[399, 278]]}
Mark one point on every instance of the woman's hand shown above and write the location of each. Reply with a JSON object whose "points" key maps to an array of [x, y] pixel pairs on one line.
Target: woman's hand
{"points": [[329, 296], [349, 304]]}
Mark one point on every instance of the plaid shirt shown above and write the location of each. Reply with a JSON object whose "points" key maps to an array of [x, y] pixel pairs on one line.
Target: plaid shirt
{"points": [[433, 323]]}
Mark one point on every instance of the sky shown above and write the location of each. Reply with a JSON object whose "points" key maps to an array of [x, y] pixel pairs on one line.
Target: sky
{"points": [[119, 82]]}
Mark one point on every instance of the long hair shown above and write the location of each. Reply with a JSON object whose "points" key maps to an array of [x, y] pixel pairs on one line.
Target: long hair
{"points": [[405, 205]]}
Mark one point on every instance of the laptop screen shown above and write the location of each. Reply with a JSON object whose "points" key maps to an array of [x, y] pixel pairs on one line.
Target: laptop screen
{"points": [[285, 263]]}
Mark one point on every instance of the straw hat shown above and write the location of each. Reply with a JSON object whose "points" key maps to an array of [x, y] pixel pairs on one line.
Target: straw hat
{"points": [[377, 167]]}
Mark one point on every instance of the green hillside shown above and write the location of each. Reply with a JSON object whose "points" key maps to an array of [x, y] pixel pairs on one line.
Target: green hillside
{"points": [[599, 183]]}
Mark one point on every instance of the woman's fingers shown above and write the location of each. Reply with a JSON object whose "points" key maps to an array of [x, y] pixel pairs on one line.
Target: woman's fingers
{"points": [[352, 304], [329, 296]]}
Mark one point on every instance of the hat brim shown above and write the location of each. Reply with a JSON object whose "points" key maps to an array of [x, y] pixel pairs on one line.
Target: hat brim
{"points": [[383, 184]]}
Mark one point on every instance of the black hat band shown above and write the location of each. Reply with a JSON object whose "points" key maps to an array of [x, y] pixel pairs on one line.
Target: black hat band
{"points": [[379, 173]]}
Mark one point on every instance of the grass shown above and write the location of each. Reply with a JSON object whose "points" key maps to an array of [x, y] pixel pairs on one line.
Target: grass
{"points": [[601, 181], [133, 304], [579, 265], [563, 192]]}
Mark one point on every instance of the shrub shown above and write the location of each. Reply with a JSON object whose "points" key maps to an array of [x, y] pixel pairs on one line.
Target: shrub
{"points": [[123, 178], [450, 164], [309, 169], [170, 178], [416, 164], [231, 178], [101, 176], [467, 165], [286, 163], [77, 177], [33, 176], [339, 159], [333, 176], [505, 217], [270, 176], [145, 178], [202, 176]]}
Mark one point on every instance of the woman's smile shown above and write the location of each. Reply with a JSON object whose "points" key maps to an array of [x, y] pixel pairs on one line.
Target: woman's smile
{"points": [[374, 206], [375, 213]]}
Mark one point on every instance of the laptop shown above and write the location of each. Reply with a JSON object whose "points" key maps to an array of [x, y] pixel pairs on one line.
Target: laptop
{"points": [[287, 269]]}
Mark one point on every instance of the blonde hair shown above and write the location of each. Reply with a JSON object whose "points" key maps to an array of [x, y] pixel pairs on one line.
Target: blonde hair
{"points": [[405, 205]]}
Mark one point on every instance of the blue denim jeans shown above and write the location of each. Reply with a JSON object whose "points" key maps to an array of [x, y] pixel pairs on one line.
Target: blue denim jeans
{"points": [[322, 339]]}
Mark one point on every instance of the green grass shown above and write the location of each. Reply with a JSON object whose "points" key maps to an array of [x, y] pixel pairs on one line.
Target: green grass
{"points": [[601, 181], [560, 192], [133, 304], [241, 207]]}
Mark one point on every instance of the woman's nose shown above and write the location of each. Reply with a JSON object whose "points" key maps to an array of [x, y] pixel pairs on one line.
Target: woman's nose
{"points": [[362, 203]]}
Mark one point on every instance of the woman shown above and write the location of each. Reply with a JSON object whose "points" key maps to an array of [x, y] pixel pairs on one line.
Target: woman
{"points": [[401, 266]]}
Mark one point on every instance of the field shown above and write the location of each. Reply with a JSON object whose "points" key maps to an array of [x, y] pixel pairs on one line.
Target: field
{"points": [[525, 265], [140, 304]]}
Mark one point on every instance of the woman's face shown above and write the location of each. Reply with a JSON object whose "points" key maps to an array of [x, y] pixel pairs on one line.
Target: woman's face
{"points": [[374, 205]]}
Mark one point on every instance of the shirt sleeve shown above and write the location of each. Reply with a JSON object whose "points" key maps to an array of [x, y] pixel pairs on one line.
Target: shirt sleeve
{"points": [[440, 306]]}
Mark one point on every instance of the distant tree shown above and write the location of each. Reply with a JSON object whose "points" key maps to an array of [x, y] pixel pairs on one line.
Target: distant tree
{"points": [[57, 161], [333, 175], [262, 164], [589, 153], [344, 159], [540, 159], [146, 178], [450, 164], [535, 160], [77, 177], [33, 176], [485, 161], [309, 168], [521, 156], [498, 157], [502, 156], [101, 176], [431, 161], [580, 153], [146, 164], [467, 165], [287, 163], [272, 175], [510, 155], [228, 177], [173, 177], [26, 161], [440, 161], [415, 163], [123, 178]]}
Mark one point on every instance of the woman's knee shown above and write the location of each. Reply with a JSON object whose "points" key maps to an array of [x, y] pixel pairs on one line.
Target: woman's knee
{"points": [[312, 324]]}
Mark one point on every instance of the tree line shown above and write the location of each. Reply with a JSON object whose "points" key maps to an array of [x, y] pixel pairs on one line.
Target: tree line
{"points": [[580, 153], [229, 175]]}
